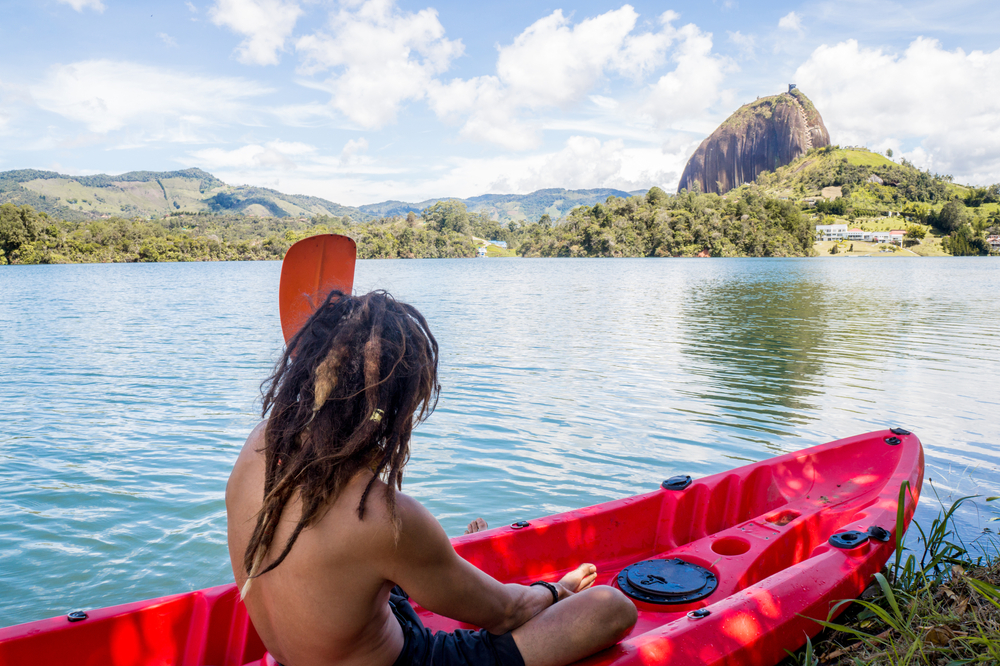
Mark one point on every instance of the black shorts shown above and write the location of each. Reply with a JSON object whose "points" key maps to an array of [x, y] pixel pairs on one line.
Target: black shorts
{"points": [[462, 647]]}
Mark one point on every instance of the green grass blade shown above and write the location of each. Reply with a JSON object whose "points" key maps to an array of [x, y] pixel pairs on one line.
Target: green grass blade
{"points": [[989, 592], [899, 526], [890, 597]]}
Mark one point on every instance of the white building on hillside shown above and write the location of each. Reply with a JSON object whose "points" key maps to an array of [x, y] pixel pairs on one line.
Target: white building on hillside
{"points": [[838, 232], [827, 232]]}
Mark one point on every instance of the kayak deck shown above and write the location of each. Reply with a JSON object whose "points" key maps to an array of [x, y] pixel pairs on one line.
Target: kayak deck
{"points": [[761, 531]]}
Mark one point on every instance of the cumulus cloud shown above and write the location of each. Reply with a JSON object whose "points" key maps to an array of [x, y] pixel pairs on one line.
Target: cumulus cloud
{"points": [[790, 21], [272, 155], [944, 105], [379, 57], [168, 40], [266, 24], [694, 85], [584, 162], [555, 64], [80, 5], [108, 95]]}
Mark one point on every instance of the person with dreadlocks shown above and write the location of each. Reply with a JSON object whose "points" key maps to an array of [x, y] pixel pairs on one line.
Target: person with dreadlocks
{"points": [[322, 542]]}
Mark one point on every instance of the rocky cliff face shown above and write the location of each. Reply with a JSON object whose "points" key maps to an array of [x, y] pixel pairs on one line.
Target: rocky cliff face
{"points": [[760, 136]]}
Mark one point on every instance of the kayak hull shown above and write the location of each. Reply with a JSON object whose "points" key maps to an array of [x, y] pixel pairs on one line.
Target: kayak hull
{"points": [[761, 531]]}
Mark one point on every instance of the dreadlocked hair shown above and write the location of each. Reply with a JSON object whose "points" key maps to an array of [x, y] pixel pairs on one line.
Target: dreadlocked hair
{"points": [[345, 396]]}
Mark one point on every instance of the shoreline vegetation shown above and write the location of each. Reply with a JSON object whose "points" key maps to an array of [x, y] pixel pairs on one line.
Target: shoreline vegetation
{"points": [[939, 605], [774, 217]]}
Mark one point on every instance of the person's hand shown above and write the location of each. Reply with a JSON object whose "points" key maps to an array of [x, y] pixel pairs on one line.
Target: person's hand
{"points": [[578, 579], [475, 526]]}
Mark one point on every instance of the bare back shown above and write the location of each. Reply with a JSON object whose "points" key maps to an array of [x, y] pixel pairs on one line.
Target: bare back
{"points": [[327, 603]]}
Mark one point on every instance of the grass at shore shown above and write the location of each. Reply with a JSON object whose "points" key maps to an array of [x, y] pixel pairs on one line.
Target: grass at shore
{"points": [[497, 251], [861, 249], [942, 609]]}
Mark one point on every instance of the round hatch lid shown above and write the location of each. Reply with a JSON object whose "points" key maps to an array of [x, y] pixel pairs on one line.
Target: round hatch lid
{"points": [[667, 581]]}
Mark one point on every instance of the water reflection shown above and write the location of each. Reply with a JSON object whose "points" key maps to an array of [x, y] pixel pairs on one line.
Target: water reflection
{"points": [[757, 344]]}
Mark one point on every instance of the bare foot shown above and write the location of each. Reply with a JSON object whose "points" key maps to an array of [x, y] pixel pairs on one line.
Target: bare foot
{"points": [[475, 526], [579, 579]]}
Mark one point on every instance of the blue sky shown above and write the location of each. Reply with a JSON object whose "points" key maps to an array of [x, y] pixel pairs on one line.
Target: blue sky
{"points": [[366, 100]]}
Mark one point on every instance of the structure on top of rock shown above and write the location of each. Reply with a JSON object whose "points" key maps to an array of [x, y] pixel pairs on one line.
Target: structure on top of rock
{"points": [[760, 136]]}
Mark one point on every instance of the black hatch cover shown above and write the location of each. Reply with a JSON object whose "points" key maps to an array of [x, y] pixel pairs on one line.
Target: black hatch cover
{"points": [[667, 581]]}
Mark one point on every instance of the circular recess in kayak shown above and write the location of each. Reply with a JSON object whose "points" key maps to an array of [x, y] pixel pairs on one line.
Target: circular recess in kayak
{"points": [[730, 546], [667, 581]]}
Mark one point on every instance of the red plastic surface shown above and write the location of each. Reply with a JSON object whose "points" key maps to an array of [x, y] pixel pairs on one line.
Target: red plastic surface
{"points": [[311, 269], [762, 529]]}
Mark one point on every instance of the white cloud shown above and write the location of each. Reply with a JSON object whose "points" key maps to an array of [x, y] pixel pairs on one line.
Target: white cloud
{"points": [[552, 64], [352, 150], [266, 24], [168, 40], [790, 21], [272, 155], [380, 57], [604, 102], [946, 103], [191, 7], [80, 5], [581, 162], [108, 95], [695, 84], [585, 162]]}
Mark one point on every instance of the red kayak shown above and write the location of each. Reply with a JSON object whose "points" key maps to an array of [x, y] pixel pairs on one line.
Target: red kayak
{"points": [[728, 569]]}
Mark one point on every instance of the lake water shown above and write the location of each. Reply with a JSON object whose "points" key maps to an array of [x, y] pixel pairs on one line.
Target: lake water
{"points": [[129, 389]]}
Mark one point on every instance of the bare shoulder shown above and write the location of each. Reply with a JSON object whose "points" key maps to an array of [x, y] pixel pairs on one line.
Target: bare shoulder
{"points": [[249, 463], [420, 538]]}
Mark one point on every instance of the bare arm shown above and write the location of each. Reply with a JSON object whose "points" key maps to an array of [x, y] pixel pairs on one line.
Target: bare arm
{"points": [[428, 568]]}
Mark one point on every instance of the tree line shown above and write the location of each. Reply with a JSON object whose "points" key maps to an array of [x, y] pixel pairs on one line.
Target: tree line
{"points": [[744, 223]]}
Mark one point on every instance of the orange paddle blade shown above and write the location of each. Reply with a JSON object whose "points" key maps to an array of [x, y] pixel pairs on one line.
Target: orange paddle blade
{"points": [[313, 268]]}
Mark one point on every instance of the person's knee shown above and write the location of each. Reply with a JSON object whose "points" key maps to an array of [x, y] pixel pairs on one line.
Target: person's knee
{"points": [[616, 611]]}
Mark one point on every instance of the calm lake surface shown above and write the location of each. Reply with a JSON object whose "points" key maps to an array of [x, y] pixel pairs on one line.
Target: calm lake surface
{"points": [[128, 391]]}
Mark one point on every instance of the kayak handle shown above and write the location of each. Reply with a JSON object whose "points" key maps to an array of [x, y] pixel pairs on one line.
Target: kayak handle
{"points": [[679, 482]]}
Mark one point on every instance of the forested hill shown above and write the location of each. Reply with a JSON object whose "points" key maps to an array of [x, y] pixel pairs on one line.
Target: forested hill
{"points": [[151, 194]]}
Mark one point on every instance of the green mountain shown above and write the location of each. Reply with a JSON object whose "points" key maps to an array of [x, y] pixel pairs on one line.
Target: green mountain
{"points": [[150, 194]]}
